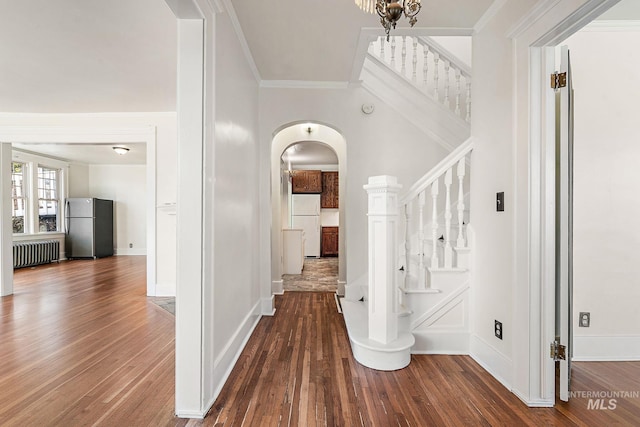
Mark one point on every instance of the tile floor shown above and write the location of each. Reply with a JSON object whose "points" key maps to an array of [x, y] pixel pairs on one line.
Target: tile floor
{"points": [[318, 275]]}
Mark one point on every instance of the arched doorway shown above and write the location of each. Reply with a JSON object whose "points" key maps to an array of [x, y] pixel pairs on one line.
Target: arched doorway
{"points": [[285, 137]]}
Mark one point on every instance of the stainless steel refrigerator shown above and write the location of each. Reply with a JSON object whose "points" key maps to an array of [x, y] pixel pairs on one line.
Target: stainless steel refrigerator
{"points": [[89, 227]]}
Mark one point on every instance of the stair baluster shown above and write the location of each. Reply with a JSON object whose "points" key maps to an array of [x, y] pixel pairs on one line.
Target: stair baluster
{"points": [[407, 244], [422, 276], [461, 171], [403, 67], [414, 76], [436, 60], [425, 66], [382, 56], [392, 62], [448, 251], [434, 223], [468, 116], [447, 66], [457, 110]]}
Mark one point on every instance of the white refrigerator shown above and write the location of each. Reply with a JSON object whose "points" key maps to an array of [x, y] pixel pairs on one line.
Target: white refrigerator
{"points": [[305, 214]]}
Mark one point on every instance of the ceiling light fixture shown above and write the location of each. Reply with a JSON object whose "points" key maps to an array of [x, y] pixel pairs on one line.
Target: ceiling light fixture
{"points": [[121, 150], [390, 11]]}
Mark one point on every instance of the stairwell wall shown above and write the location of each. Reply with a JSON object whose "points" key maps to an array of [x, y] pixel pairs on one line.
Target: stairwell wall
{"points": [[383, 143]]}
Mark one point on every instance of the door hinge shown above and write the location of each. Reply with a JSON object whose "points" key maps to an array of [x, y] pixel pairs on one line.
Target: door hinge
{"points": [[558, 80], [558, 351]]}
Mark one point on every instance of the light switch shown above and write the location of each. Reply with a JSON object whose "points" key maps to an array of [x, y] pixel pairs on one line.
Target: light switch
{"points": [[500, 201]]}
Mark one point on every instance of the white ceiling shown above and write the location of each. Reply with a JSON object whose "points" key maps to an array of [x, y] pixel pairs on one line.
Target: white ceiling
{"points": [[316, 40], [91, 154], [624, 11], [69, 56], [307, 153]]}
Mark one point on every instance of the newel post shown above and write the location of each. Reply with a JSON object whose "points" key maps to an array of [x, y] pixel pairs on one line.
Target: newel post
{"points": [[383, 227]]}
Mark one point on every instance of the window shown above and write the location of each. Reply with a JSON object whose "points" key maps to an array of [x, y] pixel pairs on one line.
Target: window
{"points": [[18, 196], [47, 199]]}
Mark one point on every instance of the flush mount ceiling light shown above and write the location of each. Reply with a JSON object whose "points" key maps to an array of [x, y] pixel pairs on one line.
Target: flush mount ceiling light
{"points": [[390, 11], [121, 150]]}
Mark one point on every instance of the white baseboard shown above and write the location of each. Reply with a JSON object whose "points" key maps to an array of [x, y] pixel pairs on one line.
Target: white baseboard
{"points": [[268, 306], [191, 414], [277, 287], [130, 251], [494, 362], [601, 348], [226, 361], [165, 290], [542, 403], [440, 342]]}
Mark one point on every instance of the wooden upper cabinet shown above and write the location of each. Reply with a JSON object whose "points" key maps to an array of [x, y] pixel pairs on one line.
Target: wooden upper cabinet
{"points": [[330, 196], [306, 181]]}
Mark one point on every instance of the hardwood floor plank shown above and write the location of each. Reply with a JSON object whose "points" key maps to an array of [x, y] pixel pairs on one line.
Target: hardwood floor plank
{"points": [[81, 345]]}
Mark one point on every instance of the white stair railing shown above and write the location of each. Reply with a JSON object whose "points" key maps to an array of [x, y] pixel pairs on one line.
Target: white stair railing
{"points": [[437, 184], [424, 56]]}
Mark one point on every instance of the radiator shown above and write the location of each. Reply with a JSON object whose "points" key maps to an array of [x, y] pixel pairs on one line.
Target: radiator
{"points": [[37, 252]]}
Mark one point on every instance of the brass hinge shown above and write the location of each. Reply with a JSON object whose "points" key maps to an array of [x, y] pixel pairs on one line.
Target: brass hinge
{"points": [[558, 80], [558, 351]]}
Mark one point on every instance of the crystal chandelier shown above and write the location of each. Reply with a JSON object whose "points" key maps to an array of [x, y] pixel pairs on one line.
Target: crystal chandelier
{"points": [[391, 10]]}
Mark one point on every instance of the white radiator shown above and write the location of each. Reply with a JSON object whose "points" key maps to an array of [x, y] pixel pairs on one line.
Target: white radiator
{"points": [[33, 253]]}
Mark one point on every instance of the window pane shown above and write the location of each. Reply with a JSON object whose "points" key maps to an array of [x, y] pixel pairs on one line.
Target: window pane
{"points": [[48, 217], [17, 196], [47, 199]]}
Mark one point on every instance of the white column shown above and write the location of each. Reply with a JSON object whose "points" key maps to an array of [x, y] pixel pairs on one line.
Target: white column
{"points": [[407, 244], [383, 226], [6, 226]]}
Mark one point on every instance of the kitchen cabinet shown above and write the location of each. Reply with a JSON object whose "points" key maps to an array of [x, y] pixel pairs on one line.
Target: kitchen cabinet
{"points": [[329, 241], [329, 197], [306, 181]]}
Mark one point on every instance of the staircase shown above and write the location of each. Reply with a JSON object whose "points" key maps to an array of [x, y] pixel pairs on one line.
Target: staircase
{"points": [[424, 82], [416, 295]]}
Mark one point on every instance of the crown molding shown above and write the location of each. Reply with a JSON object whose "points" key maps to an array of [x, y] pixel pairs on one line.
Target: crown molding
{"points": [[530, 18], [488, 15], [241, 38]]}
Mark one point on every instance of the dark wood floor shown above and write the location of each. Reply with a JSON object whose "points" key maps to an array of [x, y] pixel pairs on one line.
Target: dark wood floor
{"points": [[82, 345]]}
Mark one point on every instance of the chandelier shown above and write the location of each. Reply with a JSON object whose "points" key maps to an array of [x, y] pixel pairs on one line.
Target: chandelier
{"points": [[391, 10]]}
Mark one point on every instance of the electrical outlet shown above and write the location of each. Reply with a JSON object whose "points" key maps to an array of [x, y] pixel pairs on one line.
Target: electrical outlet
{"points": [[498, 329], [130, 245], [585, 319]]}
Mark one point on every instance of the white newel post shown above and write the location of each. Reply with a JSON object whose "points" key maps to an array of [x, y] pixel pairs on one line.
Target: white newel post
{"points": [[383, 227]]}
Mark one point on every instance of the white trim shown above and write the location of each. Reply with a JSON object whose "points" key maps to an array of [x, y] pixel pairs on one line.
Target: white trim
{"points": [[492, 360], [530, 18], [268, 306], [101, 134], [303, 84], [131, 252], [277, 287], [613, 26], [137, 114], [488, 15], [165, 290], [441, 342], [242, 39], [535, 403], [605, 348], [231, 353]]}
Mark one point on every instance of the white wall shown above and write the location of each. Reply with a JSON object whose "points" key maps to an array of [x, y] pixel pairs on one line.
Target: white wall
{"points": [[606, 206], [383, 143], [78, 180], [126, 186]]}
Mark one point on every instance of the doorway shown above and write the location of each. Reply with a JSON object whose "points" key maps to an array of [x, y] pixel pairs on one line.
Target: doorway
{"points": [[316, 143], [310, 216]]}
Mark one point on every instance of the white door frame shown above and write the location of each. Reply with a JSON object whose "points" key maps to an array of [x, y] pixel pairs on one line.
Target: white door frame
{"points": [[102, 135], [541, 163]]}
